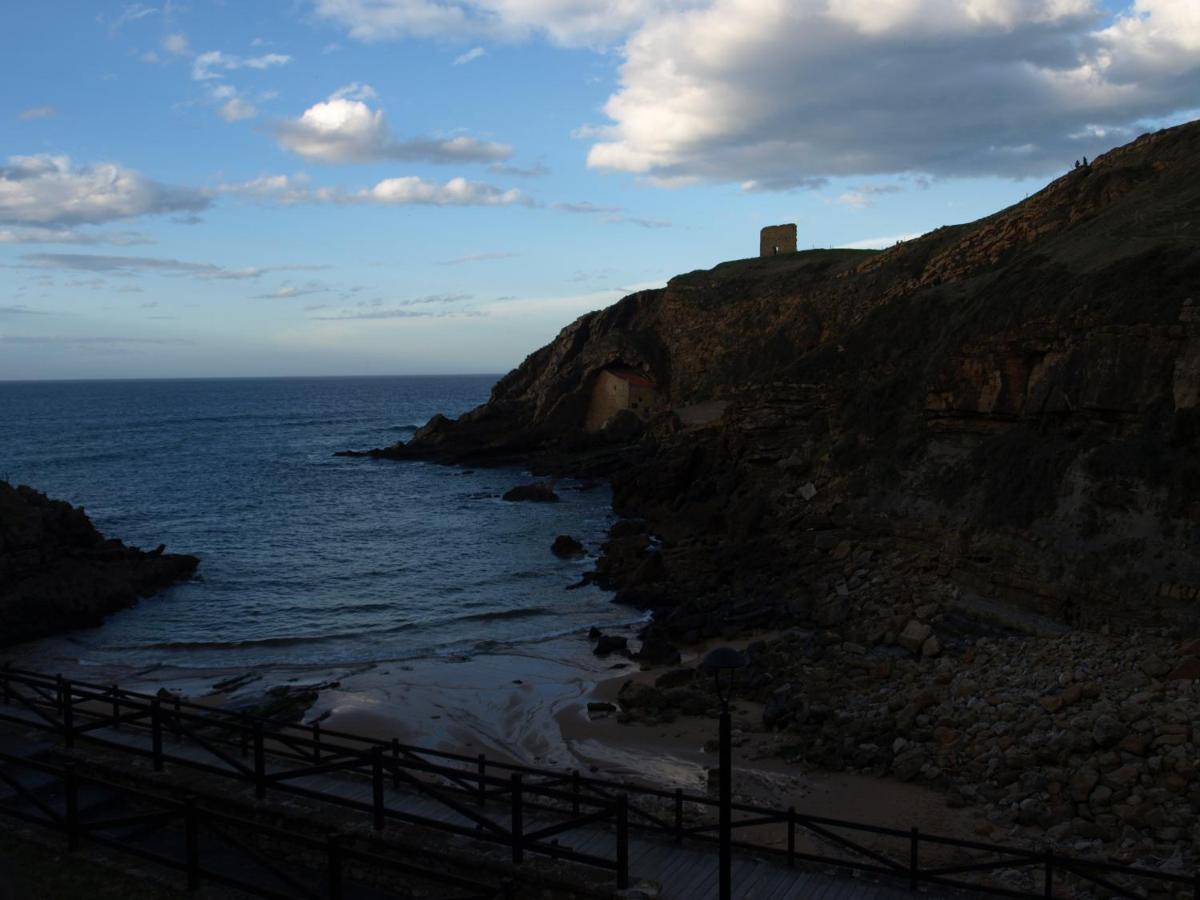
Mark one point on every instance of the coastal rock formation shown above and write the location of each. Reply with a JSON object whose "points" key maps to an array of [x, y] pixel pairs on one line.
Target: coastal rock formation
{"points": [[57, 572], [566, 547], [1015, 399], [540, 492], [960, 476]]}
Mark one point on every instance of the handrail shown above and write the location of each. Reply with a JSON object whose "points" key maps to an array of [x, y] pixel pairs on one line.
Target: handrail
{"points": [[328, 749], [77, 702], [194, 815]]}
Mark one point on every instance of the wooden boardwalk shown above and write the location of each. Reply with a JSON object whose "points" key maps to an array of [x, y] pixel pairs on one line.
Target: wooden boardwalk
{"points": [[685, 871]]}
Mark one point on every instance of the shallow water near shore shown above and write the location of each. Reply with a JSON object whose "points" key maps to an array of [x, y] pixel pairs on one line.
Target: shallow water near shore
{"points": [[306, 558]]}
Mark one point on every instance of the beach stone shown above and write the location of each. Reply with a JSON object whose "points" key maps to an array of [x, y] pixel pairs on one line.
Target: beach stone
{"points": [[566, 547], [1155, 666], [657, 652], [1187, 670], [1082, 782], [1107, 731], [600, 709], [914, 635], [538, 492], [675, 678], [841, 551], [610, 643]]}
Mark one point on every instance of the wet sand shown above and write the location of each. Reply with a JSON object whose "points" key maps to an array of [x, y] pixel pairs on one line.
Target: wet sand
{"points": [[528, 704]]}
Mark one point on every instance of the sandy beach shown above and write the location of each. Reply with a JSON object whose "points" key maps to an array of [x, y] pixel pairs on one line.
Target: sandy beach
{"points": [[528, 703]]}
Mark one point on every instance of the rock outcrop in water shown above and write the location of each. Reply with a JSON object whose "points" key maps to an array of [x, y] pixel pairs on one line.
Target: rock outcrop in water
{"points": [[57, 572], [1011, 406]]}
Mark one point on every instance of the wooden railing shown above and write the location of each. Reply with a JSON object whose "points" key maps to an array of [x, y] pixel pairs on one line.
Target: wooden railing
{"points": [[473, 785], [190, 837]]}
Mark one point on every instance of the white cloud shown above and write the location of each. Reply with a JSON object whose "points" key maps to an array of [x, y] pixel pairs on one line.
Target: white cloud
{"points": [[37, 112], [470, 56], [213, 63], [130, 12], [288, 291], [411, 190], [131, 265], [864, 195], [345, 129], [477, 257], [779, 93], [565, 22], [879, 243], [610, 215], [236, 110], [39, 235], [355, 90], [177, 44], [282, 189], [49, 191], [408, 190]]}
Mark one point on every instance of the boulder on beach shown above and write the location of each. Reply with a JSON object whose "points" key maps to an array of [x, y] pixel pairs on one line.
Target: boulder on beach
{"points": [[566, 547], [657, 652], [610, 643], [537, 492]]}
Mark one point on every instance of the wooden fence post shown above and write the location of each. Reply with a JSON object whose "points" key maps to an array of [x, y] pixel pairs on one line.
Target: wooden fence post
{"points": [[679, 815], [68, 713], [914, 869], [71, 790], [518, 821], [623, 842], [791, 836], [396, 764], [156, 733], [260, 763], [178, 719], [191, 842], [482, 766], [333, 851], [377, 787]]}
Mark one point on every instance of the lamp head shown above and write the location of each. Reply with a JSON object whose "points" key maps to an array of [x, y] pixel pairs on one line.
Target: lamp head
{"points": [[724, 662], [723, 658]]}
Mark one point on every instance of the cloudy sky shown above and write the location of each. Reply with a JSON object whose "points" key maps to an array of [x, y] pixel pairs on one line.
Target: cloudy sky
{"points": [[411, 186]]}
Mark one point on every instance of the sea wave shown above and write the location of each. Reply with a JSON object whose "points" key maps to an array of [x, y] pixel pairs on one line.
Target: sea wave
{"points": [[278, 641], [527, 612]]}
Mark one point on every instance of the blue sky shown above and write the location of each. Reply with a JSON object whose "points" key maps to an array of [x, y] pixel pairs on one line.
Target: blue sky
{"points": [[412, 186]]}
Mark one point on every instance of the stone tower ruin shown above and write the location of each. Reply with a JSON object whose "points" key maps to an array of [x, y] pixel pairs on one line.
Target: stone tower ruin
{"points": [[776, 239]]}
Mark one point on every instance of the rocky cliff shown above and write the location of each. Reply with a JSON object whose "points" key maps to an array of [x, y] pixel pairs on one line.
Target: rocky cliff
{"points": [[57, 572], [1008, 406]]}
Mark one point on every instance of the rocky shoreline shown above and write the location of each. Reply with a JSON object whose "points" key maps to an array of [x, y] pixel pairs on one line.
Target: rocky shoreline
{"points": [[58, 573], [959, 476]]}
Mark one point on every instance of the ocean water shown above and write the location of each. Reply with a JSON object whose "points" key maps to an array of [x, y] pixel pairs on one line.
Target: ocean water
{"points": [[305, 557]]}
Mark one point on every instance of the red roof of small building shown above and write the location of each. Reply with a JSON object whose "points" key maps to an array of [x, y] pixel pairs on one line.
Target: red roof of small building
{"points": [[633, 377]]}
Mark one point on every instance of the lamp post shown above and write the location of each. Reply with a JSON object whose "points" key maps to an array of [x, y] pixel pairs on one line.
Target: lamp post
{"points": [[724, 662]]}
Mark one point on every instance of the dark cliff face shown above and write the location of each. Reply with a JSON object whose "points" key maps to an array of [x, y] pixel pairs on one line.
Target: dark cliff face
{"points": [[1015, 400], [58, 573]]}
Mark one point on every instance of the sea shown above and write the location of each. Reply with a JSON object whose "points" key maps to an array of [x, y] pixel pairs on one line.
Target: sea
{"points": [[306, 557]]}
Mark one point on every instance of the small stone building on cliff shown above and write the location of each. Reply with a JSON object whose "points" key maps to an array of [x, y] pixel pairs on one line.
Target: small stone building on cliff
{"points": [[619, 388], [776, 239]]}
